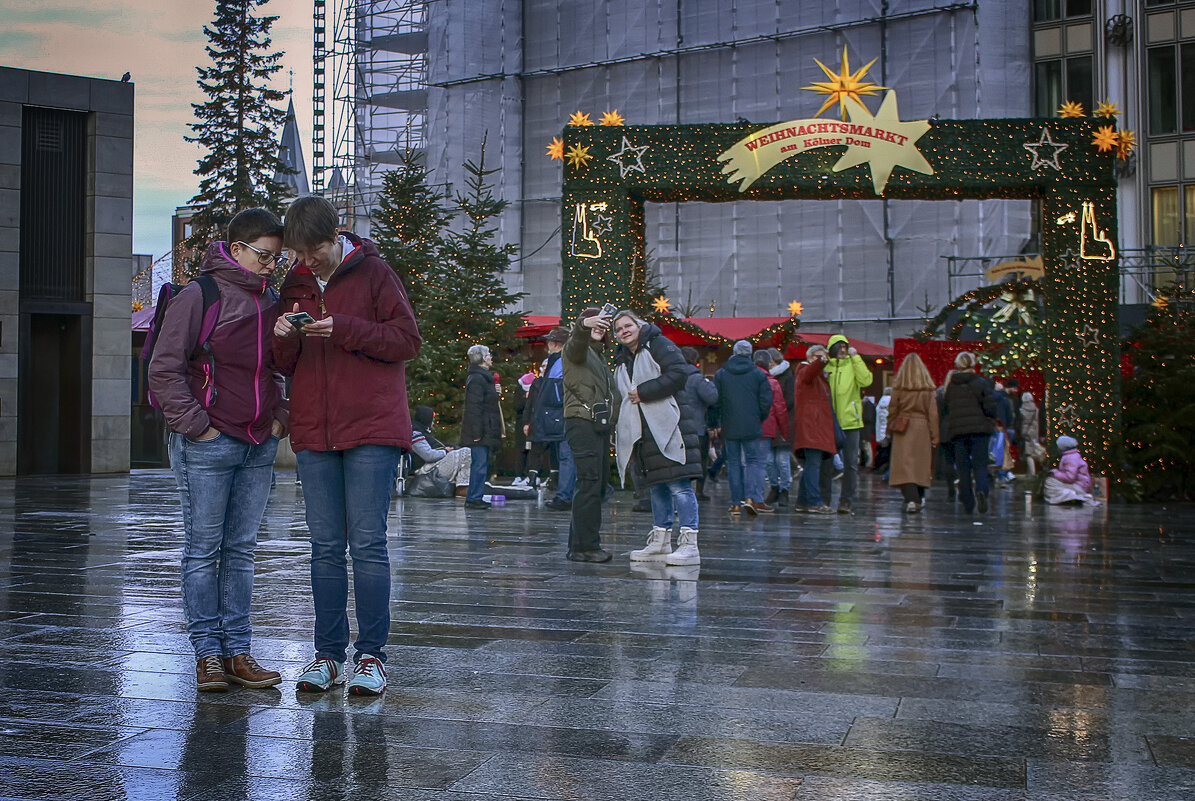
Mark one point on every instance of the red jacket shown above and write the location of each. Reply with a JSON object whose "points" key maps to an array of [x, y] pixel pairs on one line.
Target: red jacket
{"points": [[815, 416], [243, 396], [350, 389], [776, 425]]}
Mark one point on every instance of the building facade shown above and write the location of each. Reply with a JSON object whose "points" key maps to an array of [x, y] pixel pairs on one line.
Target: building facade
{"points": [[66, 240]]}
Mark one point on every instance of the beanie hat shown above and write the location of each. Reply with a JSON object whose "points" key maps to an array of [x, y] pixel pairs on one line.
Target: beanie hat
{"points": [[742, 348], [526, 380], [1066, 443]]}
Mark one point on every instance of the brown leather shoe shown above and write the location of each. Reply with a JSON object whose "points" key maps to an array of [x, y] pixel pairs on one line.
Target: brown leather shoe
{"points": [[209, 675], [243, 669]]}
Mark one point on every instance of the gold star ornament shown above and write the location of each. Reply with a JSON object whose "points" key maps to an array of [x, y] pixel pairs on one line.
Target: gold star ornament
{"points": [[1105, 139], [611, 118], [883, 160], [578, 156], [1106, 108], [556, 149], [580, 118], [843, 86], [662, 305], [1126, 141], [795, 309], [1071, 109]]}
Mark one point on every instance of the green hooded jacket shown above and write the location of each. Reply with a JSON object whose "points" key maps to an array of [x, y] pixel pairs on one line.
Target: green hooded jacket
{"points": [[847, 377], [587, 378]]}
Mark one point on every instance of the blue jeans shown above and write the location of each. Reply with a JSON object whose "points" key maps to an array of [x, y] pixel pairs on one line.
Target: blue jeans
{"points": [[971, 459], [810, 493], [566, 483], [675, 496], [348, 498], [479, 471], [780, 468], [745, 460], [223, 485]]}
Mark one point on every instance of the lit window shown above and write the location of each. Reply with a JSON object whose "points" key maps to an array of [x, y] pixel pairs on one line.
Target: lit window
{"points": [[1165, 216]]}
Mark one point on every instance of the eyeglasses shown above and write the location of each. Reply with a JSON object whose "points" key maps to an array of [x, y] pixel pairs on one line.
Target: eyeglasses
{"points": [[265, 256]]}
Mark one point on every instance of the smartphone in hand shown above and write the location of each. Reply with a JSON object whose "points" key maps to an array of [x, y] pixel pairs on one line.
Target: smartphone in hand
{"points": [[299, 319]]}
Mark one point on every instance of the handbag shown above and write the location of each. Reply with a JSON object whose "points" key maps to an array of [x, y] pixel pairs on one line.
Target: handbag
{"points": [[898, 425]]}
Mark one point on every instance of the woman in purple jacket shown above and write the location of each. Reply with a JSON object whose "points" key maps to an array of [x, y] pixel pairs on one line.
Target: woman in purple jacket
{"points": [[224, 405]]}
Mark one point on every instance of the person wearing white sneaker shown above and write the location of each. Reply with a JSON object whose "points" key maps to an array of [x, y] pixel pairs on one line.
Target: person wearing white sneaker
{"points": [[686, 552], [369, 677], [659, 545]]}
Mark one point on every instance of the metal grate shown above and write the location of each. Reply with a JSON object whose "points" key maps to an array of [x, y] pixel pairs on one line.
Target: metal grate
{"points": [[53, 202]]}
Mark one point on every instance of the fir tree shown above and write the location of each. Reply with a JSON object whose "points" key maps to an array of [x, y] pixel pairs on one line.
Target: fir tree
{"points": [[409, 225], [237, 125], [465, 302], [1159, 410]]}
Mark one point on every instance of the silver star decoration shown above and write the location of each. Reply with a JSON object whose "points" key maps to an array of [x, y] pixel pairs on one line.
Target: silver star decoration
{"points": [[623, 158], [1090, 336], [1070, 259], [1066, 415], [1054, 148], [601, 224]]}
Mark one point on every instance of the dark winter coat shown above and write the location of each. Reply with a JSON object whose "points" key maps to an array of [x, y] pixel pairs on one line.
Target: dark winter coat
{"points": [[815, 415], [350, 389], [543, 412], [481, 423], [788, 385], [247, 395], [969, 405], [587, 379], [651, 464], [695, 399], [744, 399]]}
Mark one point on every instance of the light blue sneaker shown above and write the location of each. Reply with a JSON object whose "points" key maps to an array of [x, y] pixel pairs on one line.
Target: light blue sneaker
{"points": [[369, 677], [322, 673]]}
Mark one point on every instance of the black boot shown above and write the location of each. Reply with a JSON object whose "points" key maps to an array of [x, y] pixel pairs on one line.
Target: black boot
{"points": [[772, 495]]}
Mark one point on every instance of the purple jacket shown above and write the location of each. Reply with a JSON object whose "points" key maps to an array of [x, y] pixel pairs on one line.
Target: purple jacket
{"points": [[1072, 469], [243, 395]]}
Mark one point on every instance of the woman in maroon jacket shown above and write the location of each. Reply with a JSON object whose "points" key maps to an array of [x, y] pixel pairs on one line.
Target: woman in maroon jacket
{"points": [[349, 423], [225, 410], [813, 438]]}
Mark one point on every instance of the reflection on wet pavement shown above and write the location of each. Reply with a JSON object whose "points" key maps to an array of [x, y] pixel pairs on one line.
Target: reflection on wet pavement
{"points": [[1046, 655]]}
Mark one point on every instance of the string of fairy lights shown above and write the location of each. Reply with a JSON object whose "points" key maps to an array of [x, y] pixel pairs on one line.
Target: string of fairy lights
{"points": [[609, 171]]}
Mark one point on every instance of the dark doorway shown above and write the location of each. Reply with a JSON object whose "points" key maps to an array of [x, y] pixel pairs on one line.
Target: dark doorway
{"points": [[54, 433]]}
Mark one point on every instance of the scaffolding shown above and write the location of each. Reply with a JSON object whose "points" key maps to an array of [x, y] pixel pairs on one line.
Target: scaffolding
{"points": [[369, 97]]}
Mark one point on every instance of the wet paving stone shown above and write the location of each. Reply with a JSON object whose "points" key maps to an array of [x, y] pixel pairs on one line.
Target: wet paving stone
{"points": [[1045, 655]]}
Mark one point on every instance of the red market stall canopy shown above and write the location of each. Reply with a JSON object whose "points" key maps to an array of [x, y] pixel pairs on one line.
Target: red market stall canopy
{"points": [[725, 331]]}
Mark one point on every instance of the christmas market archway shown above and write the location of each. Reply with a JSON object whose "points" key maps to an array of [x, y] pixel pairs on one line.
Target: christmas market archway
{"points": [[611, 171]]}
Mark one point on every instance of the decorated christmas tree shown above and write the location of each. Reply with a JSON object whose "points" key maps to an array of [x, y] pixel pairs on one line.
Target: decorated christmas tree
{"points": [[462, 298], [1159, 410], [237, 125], [409, 225]]}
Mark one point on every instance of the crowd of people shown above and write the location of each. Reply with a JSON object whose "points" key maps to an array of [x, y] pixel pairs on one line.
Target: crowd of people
{"points": [[322, 360]]}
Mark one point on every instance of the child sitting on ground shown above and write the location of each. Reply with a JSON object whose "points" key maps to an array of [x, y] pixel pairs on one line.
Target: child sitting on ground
{"points": [[1070, 482]]}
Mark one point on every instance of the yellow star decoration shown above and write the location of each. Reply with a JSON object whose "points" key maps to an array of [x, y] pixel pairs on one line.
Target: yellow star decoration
{"points": [[662, 305], [1105, 138], [795, 309], [884, 160], [138, 305], [1160, 302], [843, 86], [580, 118], [611, 118], [1106, 108], [578, 156], [1125, 143], [556, 149], [1071, 109]]}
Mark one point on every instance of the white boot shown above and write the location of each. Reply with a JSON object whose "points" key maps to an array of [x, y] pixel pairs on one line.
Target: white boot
{"points": [[686, 552], [659, 545]]}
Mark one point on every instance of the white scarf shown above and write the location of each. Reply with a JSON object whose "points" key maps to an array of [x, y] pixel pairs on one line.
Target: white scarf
{"points": [[663, 416]]}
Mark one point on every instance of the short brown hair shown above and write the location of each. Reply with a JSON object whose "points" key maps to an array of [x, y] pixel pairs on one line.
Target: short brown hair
{"points": [[310, 222], [251, 225]]}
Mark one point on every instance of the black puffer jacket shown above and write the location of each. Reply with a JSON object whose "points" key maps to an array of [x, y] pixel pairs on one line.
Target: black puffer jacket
{"points": [[970, 405], [481, 423], [651, 464]]}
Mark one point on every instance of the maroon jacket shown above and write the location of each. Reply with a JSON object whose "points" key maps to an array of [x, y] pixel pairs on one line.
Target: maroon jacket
{"points": [[350, 389], [247, 395], [776, 426], [815, 416]]}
